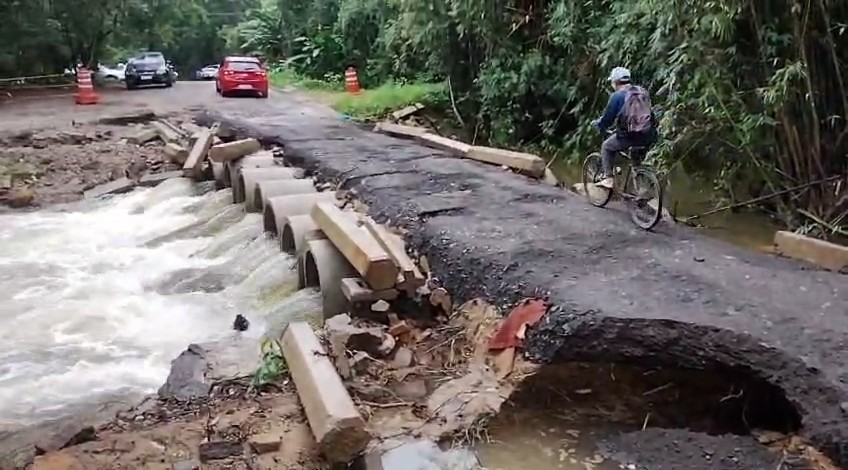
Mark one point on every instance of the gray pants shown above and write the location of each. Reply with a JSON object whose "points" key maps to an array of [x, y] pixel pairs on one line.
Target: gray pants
{"points": [[617, 143]]}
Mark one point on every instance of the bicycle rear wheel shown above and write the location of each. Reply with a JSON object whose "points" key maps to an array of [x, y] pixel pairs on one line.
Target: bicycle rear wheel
{"points": [[646, 207], [592, 173]]}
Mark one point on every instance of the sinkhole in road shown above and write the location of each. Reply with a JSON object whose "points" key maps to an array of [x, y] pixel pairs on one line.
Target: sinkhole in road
{"points": [[563, 416]]}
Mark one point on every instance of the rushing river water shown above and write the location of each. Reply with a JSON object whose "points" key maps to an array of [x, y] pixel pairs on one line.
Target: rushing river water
{"points": [[99, 298]]}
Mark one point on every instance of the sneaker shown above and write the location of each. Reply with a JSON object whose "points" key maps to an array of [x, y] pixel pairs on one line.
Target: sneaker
{"points": [[606, 183]]}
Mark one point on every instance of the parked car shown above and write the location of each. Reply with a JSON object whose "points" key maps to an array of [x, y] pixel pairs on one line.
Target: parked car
{"points": [[149, 68], [209, 72], [112, 73], [242, 75]]}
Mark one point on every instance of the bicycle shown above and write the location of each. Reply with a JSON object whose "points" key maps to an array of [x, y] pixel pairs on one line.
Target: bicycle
{"points": [[638, 199]]}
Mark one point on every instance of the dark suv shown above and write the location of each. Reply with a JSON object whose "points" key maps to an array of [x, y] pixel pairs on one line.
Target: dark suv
{"points": [[148, 68]]}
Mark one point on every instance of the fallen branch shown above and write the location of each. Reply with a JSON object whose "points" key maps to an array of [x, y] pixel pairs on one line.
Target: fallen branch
{"points": [[761, 198]]}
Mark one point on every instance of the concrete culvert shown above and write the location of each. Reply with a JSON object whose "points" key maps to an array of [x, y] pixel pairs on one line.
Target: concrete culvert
{"points": [[278, 208], [219, 172], [297, 230], [248, 177], [256, 160], [323, 265], [272, 188]]}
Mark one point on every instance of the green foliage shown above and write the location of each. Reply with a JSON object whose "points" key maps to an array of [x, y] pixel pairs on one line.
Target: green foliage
{"points": [[272, 365], [378, 102], [287, 76]]}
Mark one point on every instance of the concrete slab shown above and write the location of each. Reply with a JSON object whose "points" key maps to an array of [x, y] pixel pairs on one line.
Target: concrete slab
{"points": [[119, 186], [454, 147], [166, 132], [156, 178], [176, 153], [399, 130], [338, 427]]}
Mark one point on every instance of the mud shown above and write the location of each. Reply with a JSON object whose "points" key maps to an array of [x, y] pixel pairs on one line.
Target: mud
{"points": [[670, 297]]}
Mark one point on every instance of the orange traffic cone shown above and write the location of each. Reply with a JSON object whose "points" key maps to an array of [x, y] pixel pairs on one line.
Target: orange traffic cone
{"points": [[351, 81], [85, 90]]}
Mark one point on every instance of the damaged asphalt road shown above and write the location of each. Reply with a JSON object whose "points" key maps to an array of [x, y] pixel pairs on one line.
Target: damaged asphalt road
{"points": [[672, 297]]}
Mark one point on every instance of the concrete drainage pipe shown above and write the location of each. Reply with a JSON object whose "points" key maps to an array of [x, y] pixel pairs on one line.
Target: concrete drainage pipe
{"points": [[323, 265], [254, 160], [297, 230], [280, 207], [272, 188], [248, 177]]}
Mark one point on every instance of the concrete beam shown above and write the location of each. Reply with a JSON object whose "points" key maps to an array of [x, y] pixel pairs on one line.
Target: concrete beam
{"points": [[358, 246], [229, 151], [398, 130], [356, 290], [339, 429], [143, 136], [193, 166], [454, 147], [827, 255], [167, 133], [118, 186], [527, 163], [393, 245]]}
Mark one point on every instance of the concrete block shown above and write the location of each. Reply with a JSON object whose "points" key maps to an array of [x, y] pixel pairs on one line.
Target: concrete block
{"points": [[827, 255], [339, 429], [398, 130], [176, 153], [229, 151], [407, 111], [359, 247], [527, 163], [143, 136], [454, 147], [356, 290], [194, 163]]}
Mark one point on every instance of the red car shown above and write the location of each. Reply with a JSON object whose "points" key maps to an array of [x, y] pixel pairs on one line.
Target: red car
{"points": [[242, 75]]}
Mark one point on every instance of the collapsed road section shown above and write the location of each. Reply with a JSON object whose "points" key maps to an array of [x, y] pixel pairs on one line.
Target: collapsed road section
{"points": [[669, 298]]}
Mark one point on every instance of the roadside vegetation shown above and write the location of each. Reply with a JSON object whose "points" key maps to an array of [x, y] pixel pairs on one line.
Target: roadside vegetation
{"points": [[752, 93]]}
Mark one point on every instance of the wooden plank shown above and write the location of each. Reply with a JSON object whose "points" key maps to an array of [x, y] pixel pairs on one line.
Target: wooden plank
{"points": [[527, 163], [339, 429], [230, 151], [451, 146], [194, 163], [819, 252], [356, 290], [359, 247], [411, 277]]}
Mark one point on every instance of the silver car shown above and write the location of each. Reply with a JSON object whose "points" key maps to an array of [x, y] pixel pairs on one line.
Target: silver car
{"points": [[209, 72]]}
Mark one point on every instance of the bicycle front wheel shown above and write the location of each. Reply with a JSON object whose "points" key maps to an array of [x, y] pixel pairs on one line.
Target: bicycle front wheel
{"points": [[646, 207], [592, 174]]}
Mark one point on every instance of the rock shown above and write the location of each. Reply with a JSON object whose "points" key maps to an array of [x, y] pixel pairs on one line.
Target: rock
{"points": [[403, 358], [347, 336], [186, 379], [192, 464], [19, 197], [266, 442], [440, 298], [411, 389], [380, 306], [217, 450], [399, 329], [240, 323], [136, 169]]}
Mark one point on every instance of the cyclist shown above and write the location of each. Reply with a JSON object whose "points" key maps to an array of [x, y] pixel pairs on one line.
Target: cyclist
{"points": [[629, 110]]}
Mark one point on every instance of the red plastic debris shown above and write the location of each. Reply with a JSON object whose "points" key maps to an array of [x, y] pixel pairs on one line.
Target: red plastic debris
{"points": [[511, 333]]}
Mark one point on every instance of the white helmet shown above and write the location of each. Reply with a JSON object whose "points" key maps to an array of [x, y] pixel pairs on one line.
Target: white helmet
{"points": [[619, 74]]}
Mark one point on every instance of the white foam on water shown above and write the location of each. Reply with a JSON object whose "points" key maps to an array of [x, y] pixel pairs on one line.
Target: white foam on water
{"points": [[79, 317]]}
